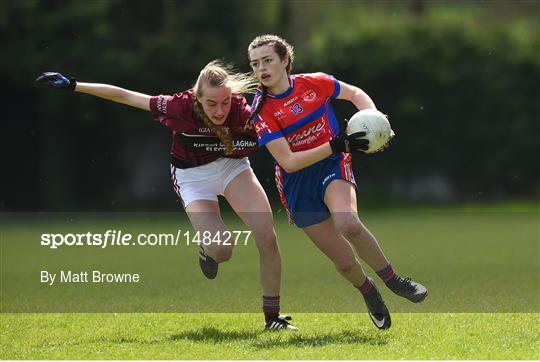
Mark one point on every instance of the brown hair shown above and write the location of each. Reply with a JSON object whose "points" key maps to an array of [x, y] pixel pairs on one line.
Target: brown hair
{"points": [[283, 49], [219, 74]]}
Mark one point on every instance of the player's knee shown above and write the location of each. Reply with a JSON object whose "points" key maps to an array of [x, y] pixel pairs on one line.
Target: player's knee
{"points": [[350, 227], [267, 244], [346, 265]]}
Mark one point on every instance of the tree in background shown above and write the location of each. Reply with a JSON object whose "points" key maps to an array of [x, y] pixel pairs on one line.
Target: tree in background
{"points": [[459, 80]]}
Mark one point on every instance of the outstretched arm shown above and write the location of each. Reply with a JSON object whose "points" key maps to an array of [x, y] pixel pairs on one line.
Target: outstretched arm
{"points": [[105, 91], [115, 94]]}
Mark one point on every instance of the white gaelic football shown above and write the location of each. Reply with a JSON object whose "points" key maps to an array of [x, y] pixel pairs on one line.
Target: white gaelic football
{"points": [[376, 126]]}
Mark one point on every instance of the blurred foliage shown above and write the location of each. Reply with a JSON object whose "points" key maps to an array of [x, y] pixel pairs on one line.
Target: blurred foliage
{"points": [[463, 104], [459, 79]]}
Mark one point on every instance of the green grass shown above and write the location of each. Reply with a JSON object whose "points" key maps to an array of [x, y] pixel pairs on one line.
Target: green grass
{"points": [[481, 267], [239, 336], [470, 261]]}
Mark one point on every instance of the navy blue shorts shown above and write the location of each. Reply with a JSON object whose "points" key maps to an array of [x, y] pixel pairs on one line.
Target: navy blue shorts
{"points": [[302, 192]]}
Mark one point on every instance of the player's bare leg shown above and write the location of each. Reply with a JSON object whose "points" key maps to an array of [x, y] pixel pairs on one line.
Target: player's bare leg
{"points": [[247, 197], [330, 241], [340, 197], [205, 216]]}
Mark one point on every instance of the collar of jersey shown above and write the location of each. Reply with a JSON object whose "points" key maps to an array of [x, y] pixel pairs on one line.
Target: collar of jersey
{"points": [[286, 93]]}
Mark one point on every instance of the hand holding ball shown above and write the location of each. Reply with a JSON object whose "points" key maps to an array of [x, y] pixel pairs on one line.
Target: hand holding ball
{"points": [[374, 126]]}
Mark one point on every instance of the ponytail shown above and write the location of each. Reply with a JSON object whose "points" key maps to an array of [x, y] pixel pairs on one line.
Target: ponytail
{"points": [[260, 104]]}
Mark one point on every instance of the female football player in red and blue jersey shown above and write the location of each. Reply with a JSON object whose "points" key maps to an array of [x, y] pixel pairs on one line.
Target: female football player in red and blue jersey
{"points": [[293, 118], [208, 158]]}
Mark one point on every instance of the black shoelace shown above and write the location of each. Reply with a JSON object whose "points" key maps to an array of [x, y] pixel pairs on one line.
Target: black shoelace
{"points": [[405, 283]]}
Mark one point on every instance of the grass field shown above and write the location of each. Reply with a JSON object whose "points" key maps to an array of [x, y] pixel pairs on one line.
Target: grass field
{"points": [[481, 268], [239, 336]]}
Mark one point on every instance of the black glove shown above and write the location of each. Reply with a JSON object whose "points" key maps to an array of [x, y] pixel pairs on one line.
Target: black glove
{"points": [[57, 80], [352, 143]]}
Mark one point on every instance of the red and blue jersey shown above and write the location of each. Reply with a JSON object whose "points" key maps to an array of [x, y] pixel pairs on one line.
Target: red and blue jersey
{"points": [[302, 114]]}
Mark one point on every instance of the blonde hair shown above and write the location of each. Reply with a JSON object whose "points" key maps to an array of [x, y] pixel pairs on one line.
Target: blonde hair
{"points": [[218, 74]]}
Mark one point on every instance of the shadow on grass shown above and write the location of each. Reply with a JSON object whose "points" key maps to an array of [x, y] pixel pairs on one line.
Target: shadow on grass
{"points": [[264, 339], [340, 338], [208, 334]]}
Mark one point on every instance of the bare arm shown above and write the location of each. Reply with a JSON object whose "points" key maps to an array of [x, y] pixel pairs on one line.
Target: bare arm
{"points": [[115, 94], [295, 161], [358, 97], [355, 95]]}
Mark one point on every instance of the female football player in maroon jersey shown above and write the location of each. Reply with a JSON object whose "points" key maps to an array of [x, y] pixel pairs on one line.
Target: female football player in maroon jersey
{"points": [[210, 143], [293, 118]]}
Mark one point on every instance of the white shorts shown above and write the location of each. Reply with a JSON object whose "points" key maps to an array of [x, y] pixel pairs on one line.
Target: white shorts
{"points": [[208, 181]]}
